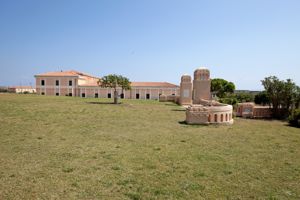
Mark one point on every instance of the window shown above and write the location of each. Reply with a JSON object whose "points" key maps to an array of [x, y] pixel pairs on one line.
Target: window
{"points": [[109, 95], [70, 94], [122, 96], [43, 93], [57, 94], [186, 93], [137, 96], [247, 110], [43, 82], [83, 95], [147, 96], [96, 95], [57, 82], [216, 117], [173, 94], [221, 117], [70, 83]]}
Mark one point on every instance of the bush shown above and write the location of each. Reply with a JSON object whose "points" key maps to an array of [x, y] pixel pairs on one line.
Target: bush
{"points": [[262, 98], [4, 90], [233, 99], [294, 118], [229, 100], [244, 97]]}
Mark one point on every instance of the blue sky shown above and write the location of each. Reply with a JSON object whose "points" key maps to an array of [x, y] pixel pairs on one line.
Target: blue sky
{"points": [[151, 40]]}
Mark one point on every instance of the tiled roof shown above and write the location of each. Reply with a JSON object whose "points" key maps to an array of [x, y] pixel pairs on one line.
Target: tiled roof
{"points": [[89, 84], [22, 87], [86, 76], [65, 73], [141, 84], [153, 84]]}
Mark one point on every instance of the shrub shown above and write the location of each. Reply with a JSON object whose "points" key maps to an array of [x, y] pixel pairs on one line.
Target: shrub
{"points": [[244, 97], [294, 118], [229, 100]]}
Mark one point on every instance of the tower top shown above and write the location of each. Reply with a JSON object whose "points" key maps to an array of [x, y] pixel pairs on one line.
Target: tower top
{"points": [[186, 78], [202, 73]]}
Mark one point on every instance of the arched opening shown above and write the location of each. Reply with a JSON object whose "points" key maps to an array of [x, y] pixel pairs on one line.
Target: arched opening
{"points": [[216, 118], [209, 118], [222, 118], [226, 117]]}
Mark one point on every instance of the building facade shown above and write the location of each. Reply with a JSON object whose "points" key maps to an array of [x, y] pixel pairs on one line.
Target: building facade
{"points": [[73, 83], [21, 89], [251, 110]]}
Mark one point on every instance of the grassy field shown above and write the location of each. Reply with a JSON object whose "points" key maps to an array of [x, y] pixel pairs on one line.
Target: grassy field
{"points": [[76, 148]]}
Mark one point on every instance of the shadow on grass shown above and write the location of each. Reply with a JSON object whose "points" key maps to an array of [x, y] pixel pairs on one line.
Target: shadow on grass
{"points": [[104, 103], [171, 104], [178, 110], [182, 122], [292, 126], [193, 125]]}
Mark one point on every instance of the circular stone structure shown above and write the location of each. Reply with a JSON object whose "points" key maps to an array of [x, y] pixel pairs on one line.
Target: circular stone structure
{"points": [[197, 96], [209, 112]]}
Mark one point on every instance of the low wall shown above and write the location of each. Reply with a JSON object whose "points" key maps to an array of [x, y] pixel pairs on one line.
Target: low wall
{"points": [[169, 98], [198, 114]]}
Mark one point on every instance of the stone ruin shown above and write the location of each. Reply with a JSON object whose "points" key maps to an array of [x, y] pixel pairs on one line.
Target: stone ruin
{"points": [[196, 97]]}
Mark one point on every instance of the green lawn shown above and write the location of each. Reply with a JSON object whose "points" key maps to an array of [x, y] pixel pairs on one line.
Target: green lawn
{"points": [[81, 148]]}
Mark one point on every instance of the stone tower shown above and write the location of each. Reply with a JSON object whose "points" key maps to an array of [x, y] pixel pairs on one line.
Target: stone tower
{"points": [[201, 85], [186, 90]]}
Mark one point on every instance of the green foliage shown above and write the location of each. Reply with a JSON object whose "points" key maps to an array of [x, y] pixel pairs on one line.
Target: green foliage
{"points": [[244, 97], [3, 89], [282, 95], [233, 99], [262, 98], [114, 81], [294, 118], [124, 83], [222, 87], [296, 97]]}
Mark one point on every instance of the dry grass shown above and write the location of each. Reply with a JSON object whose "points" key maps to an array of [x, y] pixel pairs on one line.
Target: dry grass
{"points": [[74, 148]]}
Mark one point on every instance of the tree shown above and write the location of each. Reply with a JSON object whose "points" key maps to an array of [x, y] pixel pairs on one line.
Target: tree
{"points": [[296, 98], [274, 87], [294, 118], [282, 95], [222, 87], [124, 83], [115, 81], [288, 93], [262, 98], [244, 97]]}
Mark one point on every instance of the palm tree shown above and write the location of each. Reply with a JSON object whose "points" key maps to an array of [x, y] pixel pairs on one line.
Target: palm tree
{"points": [[115, 81]]}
